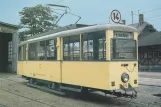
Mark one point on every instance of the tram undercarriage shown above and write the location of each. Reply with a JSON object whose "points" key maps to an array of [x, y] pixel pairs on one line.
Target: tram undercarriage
{"points": [[60, 89]]}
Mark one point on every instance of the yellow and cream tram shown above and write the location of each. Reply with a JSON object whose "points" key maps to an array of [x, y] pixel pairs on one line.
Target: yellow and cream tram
{"points": [[99, 57]]}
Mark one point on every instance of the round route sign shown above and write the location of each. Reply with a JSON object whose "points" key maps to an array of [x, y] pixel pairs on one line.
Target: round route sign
{"points": [[115, 16]]}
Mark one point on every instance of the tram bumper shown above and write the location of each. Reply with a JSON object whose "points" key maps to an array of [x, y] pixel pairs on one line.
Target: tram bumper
{"points": [[128, 92]]}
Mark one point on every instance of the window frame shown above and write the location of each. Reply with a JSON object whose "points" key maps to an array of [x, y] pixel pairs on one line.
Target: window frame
{"points": [[55, 50], [159, 54], [150, 54], [20, 53], [10, 51], [155, 55], [112, 50], [71, 48], [38, 47], [35, 44], [81, 46], [36, 51], [24, 52]]}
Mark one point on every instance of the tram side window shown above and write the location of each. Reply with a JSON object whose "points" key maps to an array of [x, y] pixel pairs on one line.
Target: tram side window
{"points": [[24, 52], [41, 50], [87, 47], [32, 51], [19, 54], [71, 49], [94, 46], [51, 49]]}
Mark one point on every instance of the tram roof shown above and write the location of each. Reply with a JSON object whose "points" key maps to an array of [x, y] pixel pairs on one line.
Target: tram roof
{"points": [[87, 29]]}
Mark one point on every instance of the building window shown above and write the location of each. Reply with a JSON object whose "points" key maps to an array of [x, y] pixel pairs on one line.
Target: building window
{"points": [[154, 54], [51, 51], [10, 51], [32, 54], [94, 46], [141, 55], [150, 54], [41, 50], [138, 55], [159, 54], [71, 49], [145, 54]]}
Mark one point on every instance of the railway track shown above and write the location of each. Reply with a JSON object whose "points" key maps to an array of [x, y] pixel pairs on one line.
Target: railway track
{"points": [[129, 102], [140, 104], [117, 99], [2, 105], [29, 98]]}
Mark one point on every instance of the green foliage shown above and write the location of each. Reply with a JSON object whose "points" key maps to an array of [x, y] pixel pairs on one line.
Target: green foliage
{"points": [[37, 19]]}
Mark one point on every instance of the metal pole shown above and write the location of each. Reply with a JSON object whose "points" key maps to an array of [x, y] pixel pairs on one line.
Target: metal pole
{"points": [[132, 16]]}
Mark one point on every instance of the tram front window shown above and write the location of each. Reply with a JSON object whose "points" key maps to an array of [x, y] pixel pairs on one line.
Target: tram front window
{"points": [[124, 48]]}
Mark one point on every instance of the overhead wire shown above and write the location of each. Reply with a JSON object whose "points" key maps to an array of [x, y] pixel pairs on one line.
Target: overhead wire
{"points": [[154, 18], [151, 10], [150, 18], [59, 1]]}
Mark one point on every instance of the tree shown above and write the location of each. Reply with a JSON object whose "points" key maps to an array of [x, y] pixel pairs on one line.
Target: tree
{"points": [[36, 20]]}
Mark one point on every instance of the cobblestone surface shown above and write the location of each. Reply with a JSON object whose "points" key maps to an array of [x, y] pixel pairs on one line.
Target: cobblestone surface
{"points": [[15, 93]]}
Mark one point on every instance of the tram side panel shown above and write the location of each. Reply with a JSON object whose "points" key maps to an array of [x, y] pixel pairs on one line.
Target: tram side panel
{"points": [[87, 74], [44, 70], [116, 71], [20, 68]]}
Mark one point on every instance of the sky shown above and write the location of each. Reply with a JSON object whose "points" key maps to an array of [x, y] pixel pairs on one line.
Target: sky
{"points": [[91, 11]]}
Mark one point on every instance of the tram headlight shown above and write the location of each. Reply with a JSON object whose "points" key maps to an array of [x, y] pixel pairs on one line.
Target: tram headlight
{"points": [[125, 77]]}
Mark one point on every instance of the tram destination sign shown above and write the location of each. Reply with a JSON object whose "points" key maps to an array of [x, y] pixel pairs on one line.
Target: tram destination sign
{"points": [[125, 35]]}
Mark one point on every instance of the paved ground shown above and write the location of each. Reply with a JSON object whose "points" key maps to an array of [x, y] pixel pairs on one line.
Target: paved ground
{"points": [[15, 93], [154, 75], [150, 78]]}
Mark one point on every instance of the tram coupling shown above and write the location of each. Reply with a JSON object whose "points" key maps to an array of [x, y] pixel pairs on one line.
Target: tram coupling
{"points": [[132, 94]]}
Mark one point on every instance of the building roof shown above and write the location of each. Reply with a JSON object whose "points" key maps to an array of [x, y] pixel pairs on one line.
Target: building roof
{"points": [[83, 30], [151, 39], [139, 27], [9, 25]]}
